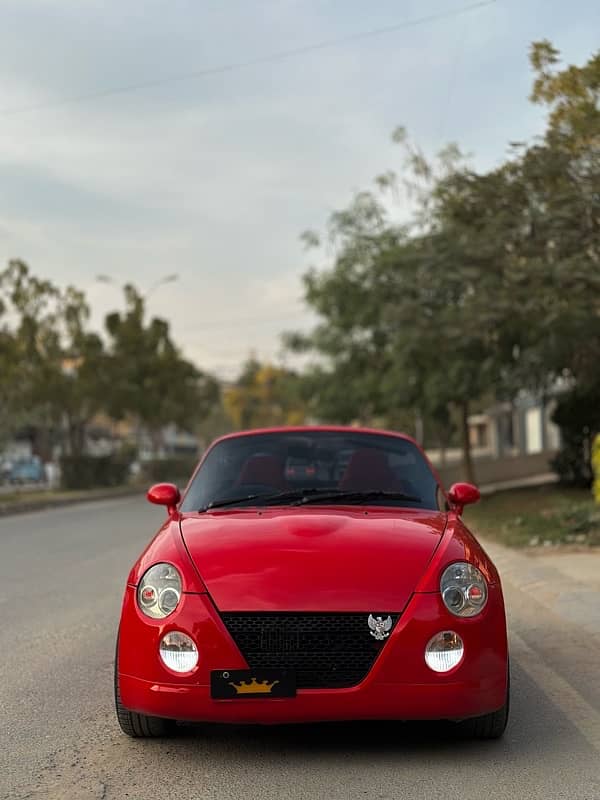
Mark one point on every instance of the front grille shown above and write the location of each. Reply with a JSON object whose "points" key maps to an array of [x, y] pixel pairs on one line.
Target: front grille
{"points": [[325, 650]]}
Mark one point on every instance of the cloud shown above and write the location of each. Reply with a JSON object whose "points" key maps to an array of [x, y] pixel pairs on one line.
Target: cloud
{"points": [[215, 178]]}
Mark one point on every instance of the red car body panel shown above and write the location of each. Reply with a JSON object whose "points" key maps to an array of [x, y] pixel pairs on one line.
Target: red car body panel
{"points": [[312, 559], [321, 559], [168, 546], [399, 685], [458, 544]]}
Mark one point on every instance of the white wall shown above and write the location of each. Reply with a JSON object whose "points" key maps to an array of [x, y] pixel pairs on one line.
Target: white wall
{"points": [[533, 430]]}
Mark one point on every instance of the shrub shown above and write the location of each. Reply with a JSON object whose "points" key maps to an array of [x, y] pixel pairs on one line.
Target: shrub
{"points": [[571, 463], [171, 470], [90, 472], [578, 416]]}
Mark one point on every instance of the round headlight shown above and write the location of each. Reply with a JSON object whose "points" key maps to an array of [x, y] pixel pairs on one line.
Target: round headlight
{"points": [[464, 590], [178, 651], [159, 591], [444, 651]]}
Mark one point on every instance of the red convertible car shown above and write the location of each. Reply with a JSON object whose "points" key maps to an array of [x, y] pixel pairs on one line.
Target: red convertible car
{"points": [[312, 574]]}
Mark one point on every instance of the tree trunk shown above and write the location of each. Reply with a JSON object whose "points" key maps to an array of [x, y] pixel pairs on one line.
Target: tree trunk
{"points": [[468, 468], [419, 428], [71, 439], [444, 441], [40, 443], [156, 438], [76, 437]]}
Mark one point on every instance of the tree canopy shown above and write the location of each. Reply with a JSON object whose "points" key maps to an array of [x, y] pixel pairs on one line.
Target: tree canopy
{"points": [[56, 374], [265, 395], [491, 287]]}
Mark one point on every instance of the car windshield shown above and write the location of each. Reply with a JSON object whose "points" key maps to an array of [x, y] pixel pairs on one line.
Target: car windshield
{"points": [[297, 467]]}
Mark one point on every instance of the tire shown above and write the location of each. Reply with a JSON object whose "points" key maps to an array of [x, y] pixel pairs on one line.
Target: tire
{"points": [[489, 726], [139, 725]]}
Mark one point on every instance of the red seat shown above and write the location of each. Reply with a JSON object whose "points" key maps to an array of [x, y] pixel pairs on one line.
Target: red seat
{"points": [[263, 469], [369, 469]]}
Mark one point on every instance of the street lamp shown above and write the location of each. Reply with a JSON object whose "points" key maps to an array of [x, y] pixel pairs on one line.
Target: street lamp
{"points": [[167, 279], [153, 287]]}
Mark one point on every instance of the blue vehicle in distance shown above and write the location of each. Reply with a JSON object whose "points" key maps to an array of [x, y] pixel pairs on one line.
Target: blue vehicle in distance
{"points": [[27, 470]]}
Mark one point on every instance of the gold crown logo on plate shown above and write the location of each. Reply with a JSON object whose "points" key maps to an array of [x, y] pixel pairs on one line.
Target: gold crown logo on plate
{"points": [[253, 686]]}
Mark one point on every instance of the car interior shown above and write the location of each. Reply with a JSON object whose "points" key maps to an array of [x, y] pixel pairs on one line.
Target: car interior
{"points": [[279, 462]]}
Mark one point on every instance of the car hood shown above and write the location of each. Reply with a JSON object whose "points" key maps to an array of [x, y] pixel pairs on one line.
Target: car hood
{"points": [[312, 559]]}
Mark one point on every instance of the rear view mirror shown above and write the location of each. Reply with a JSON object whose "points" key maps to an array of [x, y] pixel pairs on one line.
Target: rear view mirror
{"points": [[164, 494], [462, 494]]}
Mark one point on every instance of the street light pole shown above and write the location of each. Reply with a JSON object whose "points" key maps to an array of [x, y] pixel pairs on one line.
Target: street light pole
{"points": [[153, 287], [167, 279]]}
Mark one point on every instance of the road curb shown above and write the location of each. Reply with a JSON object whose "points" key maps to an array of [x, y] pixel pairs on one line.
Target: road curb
{"points": [[13, 509]]}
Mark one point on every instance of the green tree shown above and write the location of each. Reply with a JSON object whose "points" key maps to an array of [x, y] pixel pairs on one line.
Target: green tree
{"points": [[10, 403], [407, 320], [148, 378], [488, 289], [562, 176], [52, 372]]}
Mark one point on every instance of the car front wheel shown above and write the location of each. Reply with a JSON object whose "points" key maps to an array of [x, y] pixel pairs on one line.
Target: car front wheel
{"points": [[489, 726], [139, 725]]}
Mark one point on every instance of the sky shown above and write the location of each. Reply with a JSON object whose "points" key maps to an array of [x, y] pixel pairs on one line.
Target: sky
{"points": [[214, 177]]}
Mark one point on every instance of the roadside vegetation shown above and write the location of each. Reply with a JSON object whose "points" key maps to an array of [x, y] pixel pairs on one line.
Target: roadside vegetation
{"points": [[28, 500], [544, 517]]}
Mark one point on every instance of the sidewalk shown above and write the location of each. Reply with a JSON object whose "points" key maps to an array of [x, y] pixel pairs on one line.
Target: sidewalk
{"points": [[566, 583], [520, 483], [580, 567]]}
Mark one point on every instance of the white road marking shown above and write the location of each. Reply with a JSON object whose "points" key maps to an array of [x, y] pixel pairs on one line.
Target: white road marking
{"points": [[577, 710]]}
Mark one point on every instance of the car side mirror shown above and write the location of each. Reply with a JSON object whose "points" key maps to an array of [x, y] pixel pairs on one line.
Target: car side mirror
{"points": [[461, 495], [164, 494]]}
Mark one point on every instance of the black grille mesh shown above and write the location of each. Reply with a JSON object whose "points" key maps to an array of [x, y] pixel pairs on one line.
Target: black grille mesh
{"points": [[325, 650]]}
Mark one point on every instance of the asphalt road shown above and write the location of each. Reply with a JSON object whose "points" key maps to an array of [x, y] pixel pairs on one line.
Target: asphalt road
{"points": [[61, 579]]}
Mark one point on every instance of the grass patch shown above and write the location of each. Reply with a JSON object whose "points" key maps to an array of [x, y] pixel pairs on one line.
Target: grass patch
{"points": [[542, 517]]}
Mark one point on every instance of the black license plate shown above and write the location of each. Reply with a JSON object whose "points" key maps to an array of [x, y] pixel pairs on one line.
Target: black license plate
{"points": [[236, 684]]}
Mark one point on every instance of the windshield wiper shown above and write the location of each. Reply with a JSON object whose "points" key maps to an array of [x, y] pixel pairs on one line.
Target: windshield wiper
{"points": [[357, 497], [300, 497], [293, 494]]}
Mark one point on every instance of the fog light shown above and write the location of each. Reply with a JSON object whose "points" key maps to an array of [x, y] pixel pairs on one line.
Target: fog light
{"points": [[178, 651], [444, 651]]}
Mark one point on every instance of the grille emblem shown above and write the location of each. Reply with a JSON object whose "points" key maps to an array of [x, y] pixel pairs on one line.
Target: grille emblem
{"points": [[380, 628]]}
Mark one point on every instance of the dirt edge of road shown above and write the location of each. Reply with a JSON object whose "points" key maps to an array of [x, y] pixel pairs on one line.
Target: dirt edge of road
{"points": [[44, 503]]}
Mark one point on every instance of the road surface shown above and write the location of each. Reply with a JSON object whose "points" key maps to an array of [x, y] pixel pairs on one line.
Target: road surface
{"points": [[62, 574]]}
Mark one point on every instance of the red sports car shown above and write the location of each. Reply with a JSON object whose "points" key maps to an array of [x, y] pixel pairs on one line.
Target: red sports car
{"points": [[351, 590]]}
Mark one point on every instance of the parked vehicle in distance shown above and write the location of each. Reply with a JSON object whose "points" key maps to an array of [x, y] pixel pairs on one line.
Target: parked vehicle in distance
{"points": [[5, 470], [27, 470], [312, 574]]}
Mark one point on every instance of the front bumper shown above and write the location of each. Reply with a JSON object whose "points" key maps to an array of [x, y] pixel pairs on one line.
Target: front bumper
{"points": [[399, 685]]}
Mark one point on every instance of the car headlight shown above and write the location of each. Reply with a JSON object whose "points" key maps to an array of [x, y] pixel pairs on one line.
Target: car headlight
{"points": [[159, 591], [464, 590]]}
